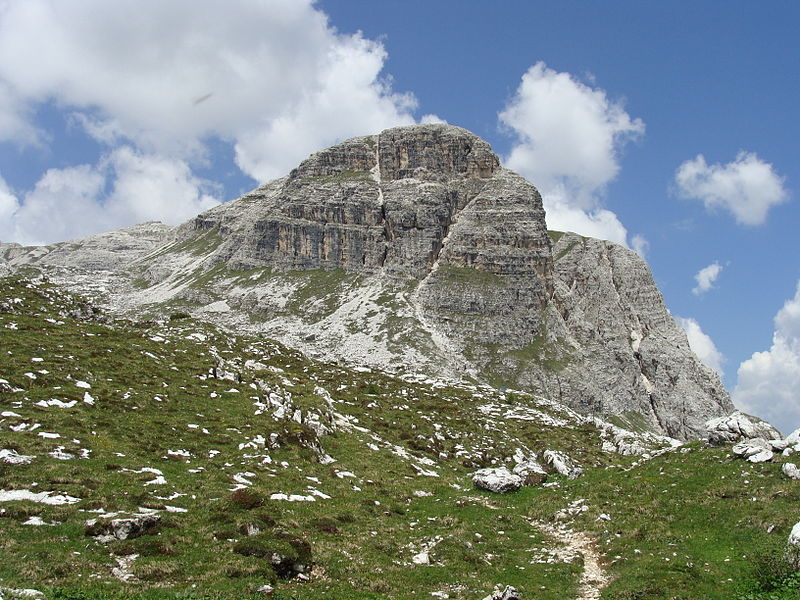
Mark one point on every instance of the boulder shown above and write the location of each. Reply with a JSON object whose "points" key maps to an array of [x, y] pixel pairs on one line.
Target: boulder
{"points": [[562, 464], [791, 470], [531, 472], [793, 546], [508, 593], [751, 447], [779, 445], [107, 529], [738, 426], [761, 456], [499, 480]]}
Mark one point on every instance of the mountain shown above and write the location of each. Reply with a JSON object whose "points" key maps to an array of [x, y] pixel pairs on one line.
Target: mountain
{"points": [[380, 376], [413, 250]]}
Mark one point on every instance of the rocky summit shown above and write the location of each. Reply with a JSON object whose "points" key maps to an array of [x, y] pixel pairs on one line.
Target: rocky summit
{"points": [[413, 250]]}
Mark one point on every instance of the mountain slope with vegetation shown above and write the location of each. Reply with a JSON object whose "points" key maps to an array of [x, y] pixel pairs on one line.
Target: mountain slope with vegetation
{"points": [[237, 468]]}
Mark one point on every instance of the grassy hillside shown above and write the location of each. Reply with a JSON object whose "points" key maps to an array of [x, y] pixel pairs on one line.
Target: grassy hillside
{"points": [[267, 469]]}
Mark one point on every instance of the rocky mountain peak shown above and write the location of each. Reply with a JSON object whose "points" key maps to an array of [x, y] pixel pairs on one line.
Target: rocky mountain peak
{"points": [[433, 152], [413, 250]]}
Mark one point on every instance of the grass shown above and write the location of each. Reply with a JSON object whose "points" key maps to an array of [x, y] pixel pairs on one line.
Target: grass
{"points": [[176, 396]]}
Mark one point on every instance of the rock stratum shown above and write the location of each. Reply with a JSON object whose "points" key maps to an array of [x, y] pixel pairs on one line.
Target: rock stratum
{"points": [[413, 250]]}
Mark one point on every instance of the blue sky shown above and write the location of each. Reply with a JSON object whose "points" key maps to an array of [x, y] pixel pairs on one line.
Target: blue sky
{"points": [[670, 127]]}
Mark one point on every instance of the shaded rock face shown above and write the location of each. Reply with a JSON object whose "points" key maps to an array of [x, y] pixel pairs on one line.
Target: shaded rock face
{"points": [[620, 350]]}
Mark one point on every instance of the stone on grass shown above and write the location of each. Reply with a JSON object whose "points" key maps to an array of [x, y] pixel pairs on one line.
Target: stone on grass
{"points": [[562, 464], [12, 457], [793, 546], [499, 480], [791, 470], [531, 472], [748, 448], [19, 593], [739, 426], [507, 593], [761, 456], [423, 558], [106, 530]]}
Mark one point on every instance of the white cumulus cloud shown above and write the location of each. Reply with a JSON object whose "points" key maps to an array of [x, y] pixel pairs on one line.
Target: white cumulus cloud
{"points": [[640, 245], [15, 119], [747, 187], [702, 345], [272, 78], [125, 187], [706, 277], [768, 383], [9, 204], [568, 140]]}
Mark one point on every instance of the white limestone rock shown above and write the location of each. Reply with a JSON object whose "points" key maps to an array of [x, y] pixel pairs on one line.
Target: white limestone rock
{"points": [[12, 457], [498, 480], [562, 464], [507, 593], [739, 426], [108, 529], [422, 558], [8, 593], [790, 470], [761, 456], [530, 471], [793, 546], [748, 448]]}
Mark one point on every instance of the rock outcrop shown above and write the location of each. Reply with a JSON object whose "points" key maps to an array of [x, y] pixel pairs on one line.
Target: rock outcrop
{"points": [[106, 251], [739, 426], [414, 250], [498, 480], [107, 529]]}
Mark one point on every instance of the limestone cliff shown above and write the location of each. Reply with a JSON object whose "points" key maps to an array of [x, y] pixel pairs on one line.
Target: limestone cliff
{"points": [[414, 250]]}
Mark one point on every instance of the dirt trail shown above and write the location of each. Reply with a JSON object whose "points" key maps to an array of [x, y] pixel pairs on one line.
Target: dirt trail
{"points": [[594, 578]]}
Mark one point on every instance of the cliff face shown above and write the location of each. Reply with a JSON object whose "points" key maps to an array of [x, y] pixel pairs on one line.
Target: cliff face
{"points": [[414, 250], [630, 354], [379, 203]]}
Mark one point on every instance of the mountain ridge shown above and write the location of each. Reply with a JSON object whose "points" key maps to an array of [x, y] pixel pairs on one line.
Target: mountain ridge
{"points": [[415, 250]]}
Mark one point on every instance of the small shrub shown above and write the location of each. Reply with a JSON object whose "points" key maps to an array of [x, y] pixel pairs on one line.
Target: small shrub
{"points": [[150, 546], [346, 517], [178, 316], [226, 534], [246, 499], [253, 547], [771, 568], [325, 525]]}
